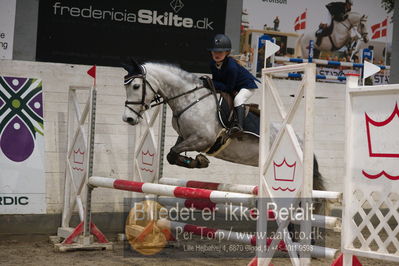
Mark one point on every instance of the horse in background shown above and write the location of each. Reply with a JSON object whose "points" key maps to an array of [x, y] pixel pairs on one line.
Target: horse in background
{"points": [[344, 33]]}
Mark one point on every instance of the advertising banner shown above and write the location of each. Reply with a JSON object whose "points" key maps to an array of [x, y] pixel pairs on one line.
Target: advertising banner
{"points": [[22, 180], [346, 28], [105, 32], [7, 22]]}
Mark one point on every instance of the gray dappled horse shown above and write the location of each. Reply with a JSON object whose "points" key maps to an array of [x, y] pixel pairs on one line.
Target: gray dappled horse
{"points": [[346, 32], [194, 115]]}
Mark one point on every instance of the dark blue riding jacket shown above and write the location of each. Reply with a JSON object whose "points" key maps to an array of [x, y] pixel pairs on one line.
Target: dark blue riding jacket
{"points": [[232, 77]]}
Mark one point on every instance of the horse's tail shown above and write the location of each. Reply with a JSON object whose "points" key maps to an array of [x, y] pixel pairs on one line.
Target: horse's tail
{"points": [[318, 180], [298, 47], [321, 207]]}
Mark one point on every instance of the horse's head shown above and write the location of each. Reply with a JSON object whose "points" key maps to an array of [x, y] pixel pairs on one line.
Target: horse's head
{"points": [[139, 93], [359, 22], [362, 29]]}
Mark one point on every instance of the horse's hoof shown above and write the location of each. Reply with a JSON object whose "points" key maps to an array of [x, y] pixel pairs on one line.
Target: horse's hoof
{"points": [[202, 161], [172, 157]]}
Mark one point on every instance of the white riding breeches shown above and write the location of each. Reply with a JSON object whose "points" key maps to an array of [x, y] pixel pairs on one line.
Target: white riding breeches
{"points": [[243, 96]]}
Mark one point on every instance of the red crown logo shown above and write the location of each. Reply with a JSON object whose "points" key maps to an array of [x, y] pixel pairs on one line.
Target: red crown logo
{"points": [[284, 171], [147, 158], [382, 173], [78, 156], [390, 129]]}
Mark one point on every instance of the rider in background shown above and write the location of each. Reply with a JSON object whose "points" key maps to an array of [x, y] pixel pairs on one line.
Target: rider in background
{"points": [[334, 11], [229, 76]]}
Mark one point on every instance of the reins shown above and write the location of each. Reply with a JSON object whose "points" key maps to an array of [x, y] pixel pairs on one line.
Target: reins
{"points": [[159, 99]]}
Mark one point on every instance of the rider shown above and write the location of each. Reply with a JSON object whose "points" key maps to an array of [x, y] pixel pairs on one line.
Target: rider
{"points": [[229, 76], [337, 12]]}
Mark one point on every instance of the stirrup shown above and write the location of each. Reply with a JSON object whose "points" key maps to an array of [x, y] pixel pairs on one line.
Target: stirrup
{"points": [[234, 130]]}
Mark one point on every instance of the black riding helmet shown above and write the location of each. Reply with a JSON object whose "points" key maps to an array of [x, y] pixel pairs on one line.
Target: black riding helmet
{"points": [[220, 43]]}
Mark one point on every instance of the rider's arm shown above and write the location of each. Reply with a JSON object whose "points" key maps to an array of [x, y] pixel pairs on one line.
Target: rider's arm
{"points": [[220, 86], [232, 73], [216, 79]]}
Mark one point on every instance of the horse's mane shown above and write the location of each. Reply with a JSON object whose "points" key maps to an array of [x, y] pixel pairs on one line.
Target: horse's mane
{"points": [[172, 68]]}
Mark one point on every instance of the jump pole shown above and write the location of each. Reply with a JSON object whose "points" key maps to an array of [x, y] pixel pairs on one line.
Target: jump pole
{"points": [[247, 189], [324, 62], [173, 191], [299, 75]]}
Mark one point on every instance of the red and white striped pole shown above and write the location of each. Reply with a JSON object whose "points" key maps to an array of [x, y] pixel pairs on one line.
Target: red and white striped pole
{"points": [[174, 191], [247, 189]]}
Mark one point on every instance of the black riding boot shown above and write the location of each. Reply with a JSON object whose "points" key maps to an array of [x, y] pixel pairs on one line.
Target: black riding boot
{"points": [[319, 36], [239, 122], [321, 32]]}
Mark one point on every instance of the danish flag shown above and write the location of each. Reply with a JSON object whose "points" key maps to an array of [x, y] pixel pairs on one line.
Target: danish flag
{"points": [[300, 22], [379, 29]]}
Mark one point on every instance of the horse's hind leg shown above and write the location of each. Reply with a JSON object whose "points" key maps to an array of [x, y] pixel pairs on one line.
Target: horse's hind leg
{"points": [[192, 143]]}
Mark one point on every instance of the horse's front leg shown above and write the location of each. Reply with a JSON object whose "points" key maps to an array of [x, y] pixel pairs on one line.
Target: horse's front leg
{"points": [[192, 143]]}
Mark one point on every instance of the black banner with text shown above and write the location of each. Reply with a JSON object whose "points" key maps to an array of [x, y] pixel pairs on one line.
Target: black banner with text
{"points": [[104, 32]]}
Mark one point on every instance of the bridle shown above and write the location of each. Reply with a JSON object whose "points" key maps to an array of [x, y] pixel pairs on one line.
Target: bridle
{"points": [[363, 27], [158, 98], [129, 79]]}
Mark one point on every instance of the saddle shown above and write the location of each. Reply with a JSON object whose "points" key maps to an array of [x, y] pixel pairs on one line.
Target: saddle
{"points": [[324, 33], [225, 115], [226, 107]]}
